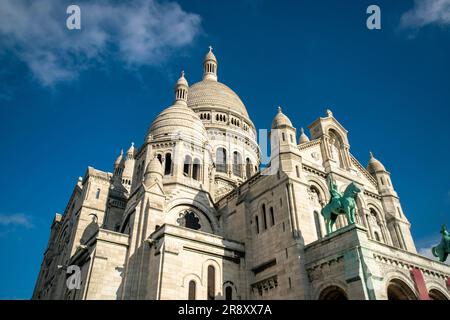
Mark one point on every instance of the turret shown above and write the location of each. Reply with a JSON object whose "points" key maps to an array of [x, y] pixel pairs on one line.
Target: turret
{"points": [[283, 143], [128, 169], [379, 172], [397, 223]]}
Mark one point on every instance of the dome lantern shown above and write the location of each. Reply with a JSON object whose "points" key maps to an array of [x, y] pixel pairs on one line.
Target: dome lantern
{"points": [[210, 66], [181, 90]]}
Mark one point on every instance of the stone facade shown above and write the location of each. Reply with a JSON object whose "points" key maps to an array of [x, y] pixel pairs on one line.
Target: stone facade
{"points": [[189, 215]]}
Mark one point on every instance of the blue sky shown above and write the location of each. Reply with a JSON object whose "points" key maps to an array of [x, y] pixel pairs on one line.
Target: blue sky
{"points": [[69, 99]]}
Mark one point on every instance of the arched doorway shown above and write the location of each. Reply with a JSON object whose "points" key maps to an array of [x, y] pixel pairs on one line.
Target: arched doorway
{"points": [[398, 290], [333, 293], [436, 295]]}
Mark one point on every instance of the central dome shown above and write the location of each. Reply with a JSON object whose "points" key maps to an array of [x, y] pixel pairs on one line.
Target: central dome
{"points": [[213, 93]]}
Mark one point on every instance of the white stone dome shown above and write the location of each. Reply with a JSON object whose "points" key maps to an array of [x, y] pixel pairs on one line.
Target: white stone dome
{"points": [[178, 120], [303, 137], [213, 93], [374, 165], [281, 120]]}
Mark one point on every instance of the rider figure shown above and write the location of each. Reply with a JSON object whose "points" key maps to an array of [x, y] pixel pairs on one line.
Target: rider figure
{"points": [[335, 194]]}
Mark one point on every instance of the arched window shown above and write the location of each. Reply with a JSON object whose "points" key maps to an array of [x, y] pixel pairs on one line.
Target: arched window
{"points": [[283, 136], [257, 224], [248, 168], [168, 164], [97, 194], [221, 160], [192, 289], [264, 216], [191, 221], [333, 293], [272, 216], [187, 166], [196, 169], [159, 158], [228, 293], [377, 237], [398, 290], [211, 283], [236, 164], [436, 295]]}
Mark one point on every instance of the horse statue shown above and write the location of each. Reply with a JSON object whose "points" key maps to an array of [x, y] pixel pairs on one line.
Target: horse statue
{"points": [[442, 250], [340, 204]]}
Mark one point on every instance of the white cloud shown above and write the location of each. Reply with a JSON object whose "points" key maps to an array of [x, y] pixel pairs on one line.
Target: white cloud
{"points": [[426, 12], [426, 252], [17, 219], [137, 32], [424, 245]]}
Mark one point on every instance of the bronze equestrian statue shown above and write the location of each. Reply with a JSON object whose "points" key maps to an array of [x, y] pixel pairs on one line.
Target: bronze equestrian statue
{"points": [[442, 250], [340, 204]]}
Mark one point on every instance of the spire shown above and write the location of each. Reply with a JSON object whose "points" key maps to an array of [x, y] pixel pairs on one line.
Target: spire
{"points": [[210, 66], [303, 137], [181, 90]]}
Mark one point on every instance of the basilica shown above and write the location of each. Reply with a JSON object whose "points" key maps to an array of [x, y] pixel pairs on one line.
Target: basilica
{"points": [[193, 213]]}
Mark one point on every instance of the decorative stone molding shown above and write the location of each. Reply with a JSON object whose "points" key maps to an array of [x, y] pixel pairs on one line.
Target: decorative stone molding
{"points": [[265, 285]]}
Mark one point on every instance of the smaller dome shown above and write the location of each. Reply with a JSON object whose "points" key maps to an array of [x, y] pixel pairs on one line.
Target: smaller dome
{"points": [[281, 120], [179, 121], [303, 137], [119, 158], [374, 165]]}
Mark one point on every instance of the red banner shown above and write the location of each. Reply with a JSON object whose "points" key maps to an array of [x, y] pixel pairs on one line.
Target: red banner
{"points": [[420, 284]]}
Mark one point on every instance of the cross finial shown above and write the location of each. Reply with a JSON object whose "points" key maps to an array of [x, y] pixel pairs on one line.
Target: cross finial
{"points": [[302, 131], [132, 144], [210, 48], [182, 73], [279, 109]]}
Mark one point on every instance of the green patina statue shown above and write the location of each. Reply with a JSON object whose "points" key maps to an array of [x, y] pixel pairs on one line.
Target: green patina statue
{"points": [[442, 250], [340, 204]]}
